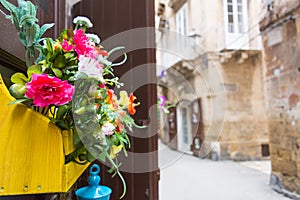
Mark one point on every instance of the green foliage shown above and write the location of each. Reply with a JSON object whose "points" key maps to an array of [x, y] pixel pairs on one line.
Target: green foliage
{"points": [[24, 18]]}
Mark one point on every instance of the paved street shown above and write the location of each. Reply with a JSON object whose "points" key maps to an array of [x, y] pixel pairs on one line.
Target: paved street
{"points": [[185, 177]]}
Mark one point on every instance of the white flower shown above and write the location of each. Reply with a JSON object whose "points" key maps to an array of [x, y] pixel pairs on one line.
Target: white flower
{"points": [[108, 128], [91, 67], [83, 21], [93, 38]]}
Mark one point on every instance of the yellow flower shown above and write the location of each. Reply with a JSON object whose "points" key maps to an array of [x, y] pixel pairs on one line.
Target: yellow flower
{"points": [[114, 150], [124, 99], [57, 46]]}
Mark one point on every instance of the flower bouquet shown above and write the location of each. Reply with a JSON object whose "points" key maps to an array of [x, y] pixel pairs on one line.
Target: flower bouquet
{"points": [[71, 81]]}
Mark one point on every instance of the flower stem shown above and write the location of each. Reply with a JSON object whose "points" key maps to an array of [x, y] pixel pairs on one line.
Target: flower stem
{"points": [[119, 174]]}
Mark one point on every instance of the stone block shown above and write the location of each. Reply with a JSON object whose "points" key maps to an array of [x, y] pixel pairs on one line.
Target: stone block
{"points": [[286, 142], [291, 183], [285, 154], [285, 167]]}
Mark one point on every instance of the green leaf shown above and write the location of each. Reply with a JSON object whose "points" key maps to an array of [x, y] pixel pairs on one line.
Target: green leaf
{"points": [[19, 78], [63, 125], [61, 111], [22, 37], [17, 101], [44, 28], [31, 8], [17, 90], [28, 19], [30, 35], [58, 73], [69, 55], [64, 35], [72, 78], [59, 62], [34, 69], [37, 33], [49, 45], [8, 6], [72, 67], [13, 13]]}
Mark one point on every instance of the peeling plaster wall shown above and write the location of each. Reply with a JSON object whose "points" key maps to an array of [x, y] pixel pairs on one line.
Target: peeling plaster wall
{"points": [[281, 41]]}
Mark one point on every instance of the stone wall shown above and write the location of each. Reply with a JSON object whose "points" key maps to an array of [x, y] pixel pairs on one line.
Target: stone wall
{"points": [[281, 41], [245, 127]]}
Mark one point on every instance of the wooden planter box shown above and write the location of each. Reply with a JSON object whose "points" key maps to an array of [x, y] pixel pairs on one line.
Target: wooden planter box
{"points": [[32, 151]]}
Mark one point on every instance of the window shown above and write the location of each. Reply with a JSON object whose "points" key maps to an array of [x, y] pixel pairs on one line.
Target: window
{"points": [[235, 25], [182, 20], [236, 16]]}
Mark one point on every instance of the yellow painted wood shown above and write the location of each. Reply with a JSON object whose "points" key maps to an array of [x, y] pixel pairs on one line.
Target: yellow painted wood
{"points": [[68, 138], [32, 151]]}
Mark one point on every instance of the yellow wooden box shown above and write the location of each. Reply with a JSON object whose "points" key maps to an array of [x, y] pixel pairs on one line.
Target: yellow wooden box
{"points": [[32, 151]]}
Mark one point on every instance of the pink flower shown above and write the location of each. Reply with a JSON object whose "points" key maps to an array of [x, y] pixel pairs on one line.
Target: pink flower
{"points": [[83, 45], [108, 129], [66, 46], [91, 67], [46, 90]]}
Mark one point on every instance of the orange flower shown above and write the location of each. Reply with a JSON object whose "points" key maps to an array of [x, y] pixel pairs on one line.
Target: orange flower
{"points": [[97, 106], [131, 105], [101, 52], [109, 98]]}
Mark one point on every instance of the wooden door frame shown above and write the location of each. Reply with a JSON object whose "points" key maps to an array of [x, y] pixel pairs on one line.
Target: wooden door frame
{"points": [[128, 15]]}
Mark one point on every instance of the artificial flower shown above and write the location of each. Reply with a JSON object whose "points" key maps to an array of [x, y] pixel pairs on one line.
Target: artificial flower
{"points": [[66, 46], [46, 90], [82, 44], [114, 150], [131, 105], [162, 100], [108, 128], [124, 99], [102, 52], [93, 38], [83, 21], [120, 126], [91, 67], [109, 98], [102, 85], [57, 46]]}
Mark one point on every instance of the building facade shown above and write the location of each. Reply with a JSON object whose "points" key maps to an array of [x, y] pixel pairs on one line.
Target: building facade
{"points": [[210, 53], [280, 26]]}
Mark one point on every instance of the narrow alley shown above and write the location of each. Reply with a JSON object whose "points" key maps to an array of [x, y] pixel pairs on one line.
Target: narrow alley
{"points": [[181, 176]]}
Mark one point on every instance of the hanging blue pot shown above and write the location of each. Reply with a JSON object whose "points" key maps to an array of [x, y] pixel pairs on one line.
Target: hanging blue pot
{"points": [[94, 190]]}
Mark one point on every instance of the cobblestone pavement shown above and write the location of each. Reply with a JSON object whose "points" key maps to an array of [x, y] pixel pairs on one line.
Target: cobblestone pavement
{"points": [[185, 177]]}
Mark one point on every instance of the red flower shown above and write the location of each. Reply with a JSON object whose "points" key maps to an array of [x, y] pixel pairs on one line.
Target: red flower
{"points": [[66, 46], [131, 105], [120, 126], [46, 90], [102, 85]]}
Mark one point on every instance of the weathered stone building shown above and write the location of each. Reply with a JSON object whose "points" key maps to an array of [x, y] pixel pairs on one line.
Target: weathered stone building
{"points": [[220, 63], [280, 26]]}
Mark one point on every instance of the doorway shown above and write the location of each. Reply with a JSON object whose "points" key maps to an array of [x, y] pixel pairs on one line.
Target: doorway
{"points": [[184, 127]]}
